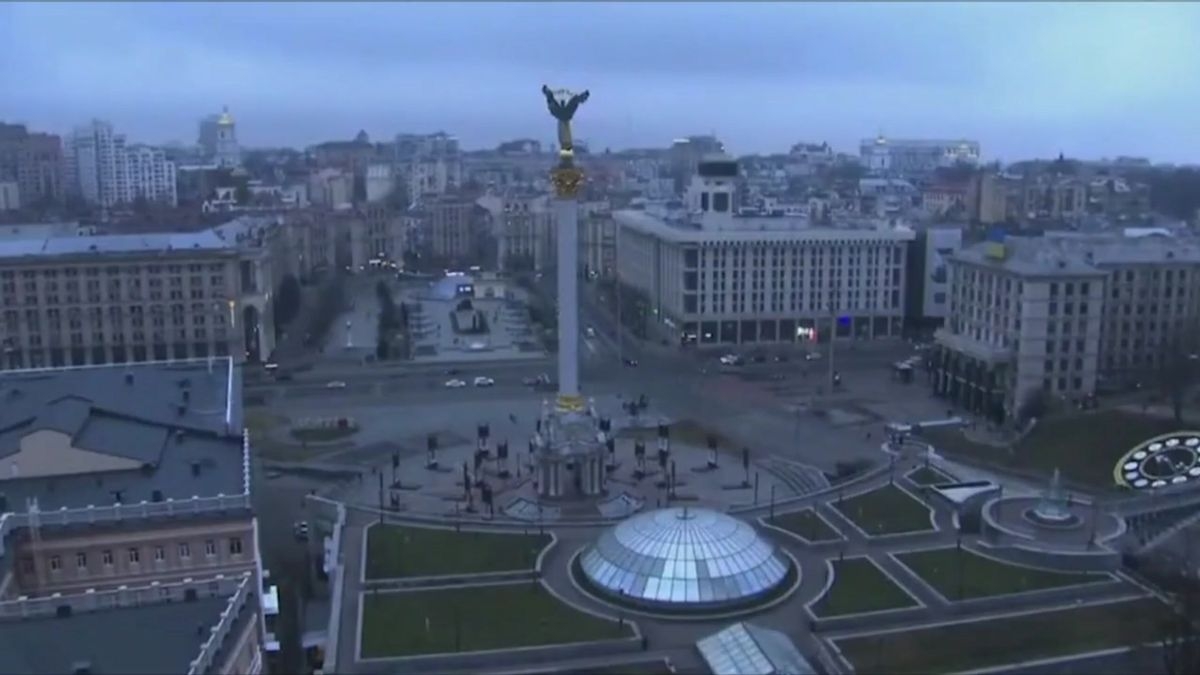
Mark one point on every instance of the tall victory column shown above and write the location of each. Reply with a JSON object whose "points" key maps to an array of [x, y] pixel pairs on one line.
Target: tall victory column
{"points": [[567, 179], [571, 440]]}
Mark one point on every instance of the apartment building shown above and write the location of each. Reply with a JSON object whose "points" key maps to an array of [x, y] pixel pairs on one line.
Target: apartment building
{"points": [[151, 176], [102, 299], [598, 242], [1055, 313], [34, 161], [319, 242], [715, 278], [124, 487], [103, 169], [453, 227]]}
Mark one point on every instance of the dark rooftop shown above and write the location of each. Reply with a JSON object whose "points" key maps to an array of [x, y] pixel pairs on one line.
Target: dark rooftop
{"points": [[107, 641], [179, 424]]}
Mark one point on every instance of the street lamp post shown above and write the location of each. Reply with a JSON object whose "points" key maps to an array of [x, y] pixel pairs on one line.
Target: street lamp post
{"points": [[833, 319]]}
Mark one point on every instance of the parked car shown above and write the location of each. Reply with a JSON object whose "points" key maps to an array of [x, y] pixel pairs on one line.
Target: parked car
{"points": [[455, 384], [482, 381]]}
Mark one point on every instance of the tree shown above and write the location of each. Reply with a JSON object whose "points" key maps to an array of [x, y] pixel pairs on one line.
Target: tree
{"points": [[287, 301], [1178, 368]]}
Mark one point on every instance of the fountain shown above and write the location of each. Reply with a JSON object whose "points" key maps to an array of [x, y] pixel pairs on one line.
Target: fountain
{"points": [[1054, 509]]}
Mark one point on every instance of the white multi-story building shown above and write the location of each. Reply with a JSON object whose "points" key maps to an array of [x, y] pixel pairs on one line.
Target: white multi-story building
{"points": [[713, 277], [97, 167], [1055, 313], [104, 170], [380, 182], [915, 156], [151, 175]]}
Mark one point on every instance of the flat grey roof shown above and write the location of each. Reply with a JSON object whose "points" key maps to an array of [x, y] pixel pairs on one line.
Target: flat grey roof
{"points": [[151, 639], [60, 245], [1083, 254], [194, 453], [760, 230]]}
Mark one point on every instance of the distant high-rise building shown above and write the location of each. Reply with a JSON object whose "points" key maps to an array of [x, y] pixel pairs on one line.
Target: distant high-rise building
{"points": [[686, 154], [103, 170], [218, 139], [96, 164], [34, 161]]}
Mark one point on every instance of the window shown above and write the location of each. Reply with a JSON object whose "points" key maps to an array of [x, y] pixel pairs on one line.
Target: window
{"points": [[185, 550], [160, 554], [81, 560], [106, 557], [55, 563], [135, 556], [210, 548], [235, 546]]}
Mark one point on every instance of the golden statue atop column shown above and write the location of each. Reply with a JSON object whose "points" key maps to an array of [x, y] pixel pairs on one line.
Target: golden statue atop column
{"points": [[567, 178]]}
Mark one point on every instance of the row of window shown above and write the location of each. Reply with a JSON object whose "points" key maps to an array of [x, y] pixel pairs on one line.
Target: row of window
{"points": [[111, 270], [133, 555]]}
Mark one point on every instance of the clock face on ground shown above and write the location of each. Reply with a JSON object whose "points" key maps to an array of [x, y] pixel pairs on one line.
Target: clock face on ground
{"points": [[1165, 460]]}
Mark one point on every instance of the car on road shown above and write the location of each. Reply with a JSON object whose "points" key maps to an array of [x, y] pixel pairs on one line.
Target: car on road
{"points": [[482, 381], [336, 384], [454, 371], [731, 360], [455, 384], [590, 332], [632, 363], [300, 530], [812, 356], [542, 379]]}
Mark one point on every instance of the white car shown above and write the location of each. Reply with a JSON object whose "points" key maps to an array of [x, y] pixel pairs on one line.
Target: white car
{"points": [[812, 356], [336, 384], [482, 381], [731, 360], [455, 384]]}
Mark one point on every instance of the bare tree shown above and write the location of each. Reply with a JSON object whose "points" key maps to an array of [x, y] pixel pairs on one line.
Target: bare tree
{"points": [[1179, 367]]}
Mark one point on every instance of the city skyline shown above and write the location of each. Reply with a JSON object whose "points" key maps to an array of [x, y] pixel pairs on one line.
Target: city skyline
{"points": [[1025, 80]]}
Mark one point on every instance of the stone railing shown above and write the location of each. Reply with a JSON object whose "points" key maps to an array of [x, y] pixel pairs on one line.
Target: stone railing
{"points": [[216, 639], [123, 512], [155, 593]]}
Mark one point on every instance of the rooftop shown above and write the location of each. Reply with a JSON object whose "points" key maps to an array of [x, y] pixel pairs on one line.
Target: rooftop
{"points": [[1083, 254], [146, 432], [104, 638], [756, 229], [55, 244]]}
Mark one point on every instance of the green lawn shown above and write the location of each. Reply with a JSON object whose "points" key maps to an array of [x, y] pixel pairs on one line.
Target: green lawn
{"points": [[1084, 446], [928, 475], [984, 577], [979, 644], [475, 618], [860, 586], [395, 551], [887, 510], [807, 524]]}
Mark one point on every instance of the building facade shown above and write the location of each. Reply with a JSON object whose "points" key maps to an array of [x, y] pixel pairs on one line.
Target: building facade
{"points": [[915, 156], [10, 196], [713, 278], [1054, 314], [93, 300], [104, 170], [34, 161]]}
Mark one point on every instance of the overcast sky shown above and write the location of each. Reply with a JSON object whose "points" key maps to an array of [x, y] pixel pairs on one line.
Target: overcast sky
{"points": [[1025, 79]]}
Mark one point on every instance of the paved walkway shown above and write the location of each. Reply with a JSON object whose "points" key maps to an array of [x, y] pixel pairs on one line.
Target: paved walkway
{"points": [[677, 638]]}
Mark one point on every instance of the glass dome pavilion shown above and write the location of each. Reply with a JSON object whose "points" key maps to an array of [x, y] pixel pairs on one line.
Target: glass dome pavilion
{"points": [[684, 559]]}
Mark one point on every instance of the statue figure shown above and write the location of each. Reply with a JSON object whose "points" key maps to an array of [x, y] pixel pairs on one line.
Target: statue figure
{"points": [[563, 110]]}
